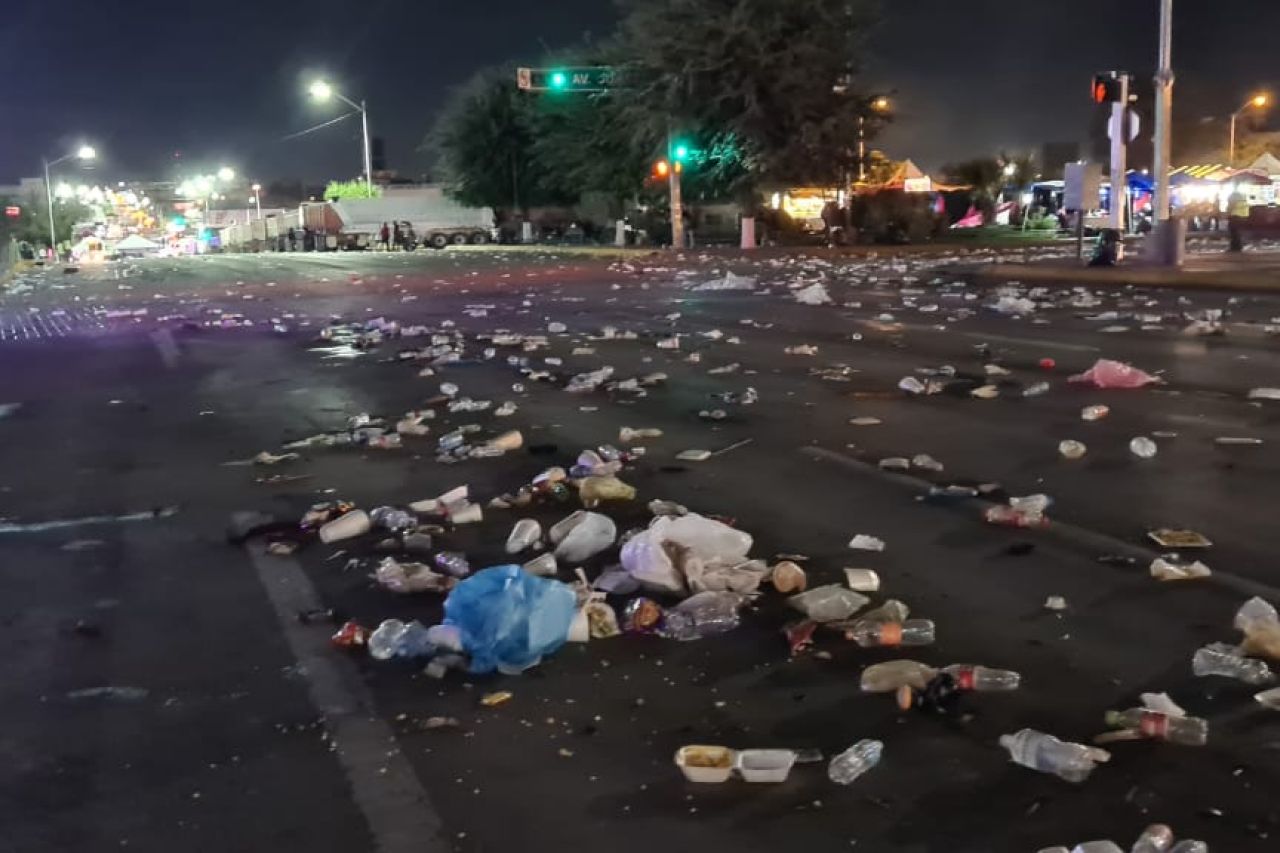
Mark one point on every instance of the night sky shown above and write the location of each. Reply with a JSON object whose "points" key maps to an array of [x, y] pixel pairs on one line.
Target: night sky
{"points": [[221, 82]]}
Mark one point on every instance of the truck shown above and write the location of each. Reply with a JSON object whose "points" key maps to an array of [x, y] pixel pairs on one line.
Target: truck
{"points": [[425, 214]]}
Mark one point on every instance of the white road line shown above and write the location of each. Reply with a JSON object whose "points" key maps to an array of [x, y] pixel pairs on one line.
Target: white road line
{"points": [[400, 815], [1030, 342]]}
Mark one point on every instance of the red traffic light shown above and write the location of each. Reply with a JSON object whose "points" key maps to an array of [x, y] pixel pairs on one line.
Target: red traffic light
{"points": [[1099, 92]]}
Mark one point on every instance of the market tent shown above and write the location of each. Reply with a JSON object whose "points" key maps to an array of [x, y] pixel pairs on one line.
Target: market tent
{"points": [[136, 243], [1267, 163]]}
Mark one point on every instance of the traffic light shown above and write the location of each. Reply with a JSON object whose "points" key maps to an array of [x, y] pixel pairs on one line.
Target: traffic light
{"points": [[680, 152], [558, 80], [1107, 89]]}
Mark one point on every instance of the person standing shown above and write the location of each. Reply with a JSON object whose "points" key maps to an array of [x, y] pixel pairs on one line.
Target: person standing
{"points": [[398, 236], [1237, 216], [384, 237]]}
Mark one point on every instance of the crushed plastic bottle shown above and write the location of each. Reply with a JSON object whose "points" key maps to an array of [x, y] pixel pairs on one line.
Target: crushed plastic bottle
{"points": [[703, 615], [394, 638], [913, 632], [855, 761], [982, 679], [1143, 447], [1045, 753], [829, 603], [1094, 413], [1225, 659], [524, 535], [1156, 838], [889, 676], [453, 563], [1189, 731], [395, 520]]}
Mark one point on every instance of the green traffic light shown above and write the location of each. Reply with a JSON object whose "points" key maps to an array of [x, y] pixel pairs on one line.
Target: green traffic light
{"points": [[559, 80], [681, 152]]}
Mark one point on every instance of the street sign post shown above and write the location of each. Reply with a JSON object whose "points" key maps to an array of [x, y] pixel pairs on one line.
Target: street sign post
{"points": [[573, 79], [1082, 191]]}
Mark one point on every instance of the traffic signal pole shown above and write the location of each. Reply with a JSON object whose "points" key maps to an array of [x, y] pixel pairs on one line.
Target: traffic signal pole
{"points": [[677, 201], [1164, 113], [1119, 148]]}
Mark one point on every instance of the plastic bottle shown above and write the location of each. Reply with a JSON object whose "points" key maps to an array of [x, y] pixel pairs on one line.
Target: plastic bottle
{"points": [[453, 563], [1224, 659], [913, 632], [702, 615], [1190, 731], [1036, 390], [981, 679], [1156, 838], [525, 534], [1007, 516], [1039, 751], [854, 761], [1143, 447], [1094, 413], [889, 676]]}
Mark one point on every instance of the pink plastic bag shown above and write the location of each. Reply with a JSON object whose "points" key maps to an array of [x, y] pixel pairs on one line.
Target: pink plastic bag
{"points": [[1114, 374]]}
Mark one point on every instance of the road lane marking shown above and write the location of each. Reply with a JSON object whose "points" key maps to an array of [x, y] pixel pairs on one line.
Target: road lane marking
{"points": [[400, 815]]}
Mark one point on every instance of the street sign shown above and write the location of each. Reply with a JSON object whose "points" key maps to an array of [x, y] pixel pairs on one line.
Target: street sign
{"points": [[573, 79], [1083, 186], [1134, 125]]}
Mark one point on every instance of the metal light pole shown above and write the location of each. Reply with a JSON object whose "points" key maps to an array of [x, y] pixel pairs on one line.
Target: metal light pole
{"points": [[85, 153], [1164, 114], [257, 198], [880, 105], [1119, 150], [1258, 101], [322, 91]]}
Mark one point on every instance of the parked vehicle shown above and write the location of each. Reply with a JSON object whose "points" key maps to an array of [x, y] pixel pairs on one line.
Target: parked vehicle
{"points": [[426, 216]]}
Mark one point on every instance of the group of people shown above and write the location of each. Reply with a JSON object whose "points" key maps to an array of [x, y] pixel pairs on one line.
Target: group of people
{"points": [[400, 236]]}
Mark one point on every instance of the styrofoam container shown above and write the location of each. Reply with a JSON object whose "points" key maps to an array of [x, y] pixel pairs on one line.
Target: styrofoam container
{"points": [[721, 757], [765, 765]]}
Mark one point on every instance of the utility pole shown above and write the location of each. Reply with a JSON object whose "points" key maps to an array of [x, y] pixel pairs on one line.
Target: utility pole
{"points": [[1119, 149]]}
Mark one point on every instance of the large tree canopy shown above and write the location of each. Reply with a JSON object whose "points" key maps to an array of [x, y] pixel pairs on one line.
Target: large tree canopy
{"points": [[778, 77]]}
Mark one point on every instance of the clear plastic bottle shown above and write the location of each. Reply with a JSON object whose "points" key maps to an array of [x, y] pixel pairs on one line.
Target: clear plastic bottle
{"points": [[889, 676], [453, 563], [913, 632], [981, 679], [1190, 731], [1094, 413], [854, 761], [702, 615], [1039, 751], [1225, 659], [1156, 838]]}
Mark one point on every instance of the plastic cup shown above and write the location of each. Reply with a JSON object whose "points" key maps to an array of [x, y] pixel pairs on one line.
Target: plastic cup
{"points": [[354, 523], [862, 580]]}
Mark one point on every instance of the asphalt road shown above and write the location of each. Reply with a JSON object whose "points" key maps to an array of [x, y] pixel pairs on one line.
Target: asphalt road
{"points": [[238, 728]]}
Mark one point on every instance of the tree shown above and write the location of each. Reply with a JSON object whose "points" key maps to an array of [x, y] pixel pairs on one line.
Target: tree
{"points": [[32, 223], [983, 175], [484, 143], [343, 190], [777, 77]]}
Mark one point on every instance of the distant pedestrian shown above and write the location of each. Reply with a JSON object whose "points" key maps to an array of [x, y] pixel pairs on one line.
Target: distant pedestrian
{"points": [[1237, 216], [384, 236], [398, 236], [293, 239]]}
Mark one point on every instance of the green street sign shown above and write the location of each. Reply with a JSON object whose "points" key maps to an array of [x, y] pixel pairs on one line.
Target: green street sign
{"points": [[571, 79]]}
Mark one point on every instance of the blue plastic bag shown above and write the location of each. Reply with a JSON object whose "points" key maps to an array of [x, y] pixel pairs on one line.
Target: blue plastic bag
{"points": [[509, 619]]}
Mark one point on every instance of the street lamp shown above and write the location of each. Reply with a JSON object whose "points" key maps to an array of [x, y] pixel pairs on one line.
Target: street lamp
{"points": [[257, 198], [878, 105], [322, 91], [84, 153], [226, 174], [1258, 101]]}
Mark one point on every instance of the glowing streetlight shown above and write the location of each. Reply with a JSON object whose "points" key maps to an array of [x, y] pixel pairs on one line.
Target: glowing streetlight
{"points": [[880, 104], [1258, 101], [84, 153], [226, 174], [322, 91], [257, 198]]}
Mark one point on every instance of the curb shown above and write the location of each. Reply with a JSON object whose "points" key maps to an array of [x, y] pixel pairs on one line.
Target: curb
{"points": [[1121, 277]]}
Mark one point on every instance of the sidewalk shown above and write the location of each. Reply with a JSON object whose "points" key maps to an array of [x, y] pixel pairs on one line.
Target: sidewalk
{"points": [[1250, 272]]}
